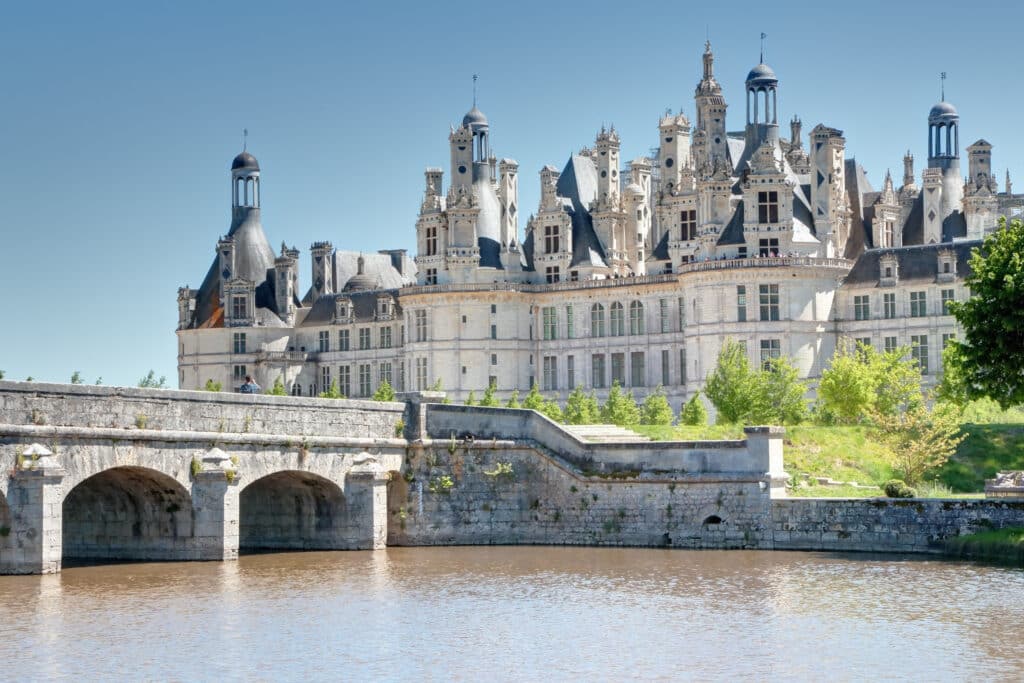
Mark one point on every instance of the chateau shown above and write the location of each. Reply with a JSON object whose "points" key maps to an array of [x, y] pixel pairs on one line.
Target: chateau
{"points": [[632, 272]]}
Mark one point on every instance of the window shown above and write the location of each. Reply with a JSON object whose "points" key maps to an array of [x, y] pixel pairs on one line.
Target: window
{"points": [[421, 374], [238, 307], [618, 320], [364, 380], [688, 221], [770, 348], [682, 314], [364, 338], [325, 378], [431, 240], [741, 303], [946, 338], [345, 380], [663, 312], [597, 321], [947, 296], [494, 331], [864, 341], [768, 247], [238, 342], [889, 305], [550, 364], [550, 320], [551, 239], [666, 378], [324, 339], [890, 344], [385, 337], [887, 234], [343, 343], [400, 384], [570, 372], [570, 324], [918, 305], [384, 372], [637, 371], [597, 374], [574, 275], [636, 318], [552, 273], [919, 351], [492, 381], [682, 366], [862, 307], [239, 373], [431, 277], [768, 207], [769, 295], [619, 368], [421, 326], [494, 308], [494, 359]]}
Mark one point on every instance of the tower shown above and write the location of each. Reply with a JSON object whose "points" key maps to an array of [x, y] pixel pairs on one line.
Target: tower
{"points": [[980, 202], [828, 189], [711, 109], [607, 147], [245, 184], [762, 102], [674, 150], [323, 269], [508, 195], [944, 156], [286, 283]]}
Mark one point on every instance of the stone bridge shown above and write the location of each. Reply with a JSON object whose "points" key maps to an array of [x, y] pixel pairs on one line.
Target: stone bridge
{"points": [[131, 474]]}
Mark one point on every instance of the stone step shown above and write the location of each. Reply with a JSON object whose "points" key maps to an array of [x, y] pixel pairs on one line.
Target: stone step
{"points": [[605, 433]]}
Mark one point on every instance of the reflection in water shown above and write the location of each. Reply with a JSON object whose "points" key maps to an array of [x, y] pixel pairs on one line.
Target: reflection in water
{"points": [[518, 613]]}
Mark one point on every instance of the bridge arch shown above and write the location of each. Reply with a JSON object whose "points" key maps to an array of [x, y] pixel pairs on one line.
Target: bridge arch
{"points": [[128, 513], [293, 510]]}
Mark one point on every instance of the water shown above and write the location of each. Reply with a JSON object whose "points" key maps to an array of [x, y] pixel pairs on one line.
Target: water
{"points": [[519, 613]]}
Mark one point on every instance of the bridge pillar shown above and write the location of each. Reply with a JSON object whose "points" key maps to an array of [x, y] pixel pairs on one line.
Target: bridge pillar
{"points": [[366, 495], [34, 497], [215, 503]]}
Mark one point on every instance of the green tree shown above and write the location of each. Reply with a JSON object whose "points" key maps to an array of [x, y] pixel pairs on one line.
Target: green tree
{"points": [[513, 401], [899, 380], [861, 381], [332, 392], [1, 374], [952, 388], [694, 413], [489, 400], [991, 355], [76, 377], [384, 392], [534, 399], [99, 381], [471, 399], [732, 387], [780, 394], [151, 382], [919, 440], [551, 409], [213, 386], [30, 378], [620, 409], [655, 409], [278, 388], [581, 408]]}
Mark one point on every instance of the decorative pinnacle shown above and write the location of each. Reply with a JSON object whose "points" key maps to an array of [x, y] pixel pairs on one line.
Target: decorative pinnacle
{"points": [[943, 81], [245, 139], [763, 36], [474, 89]]}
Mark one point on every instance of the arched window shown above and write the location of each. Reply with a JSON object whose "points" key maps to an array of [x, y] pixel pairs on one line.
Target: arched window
{"points": [[618, 320], [597, 320], [636, 318]]}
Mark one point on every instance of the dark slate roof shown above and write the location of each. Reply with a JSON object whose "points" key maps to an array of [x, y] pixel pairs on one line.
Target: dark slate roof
{"points": [[527, 259], [858, 188], [488, 222], [364, 307], [380, 270], [660, 251], [245, 160], [918, 263], [578, 185], [733, 233], [953, 226]]}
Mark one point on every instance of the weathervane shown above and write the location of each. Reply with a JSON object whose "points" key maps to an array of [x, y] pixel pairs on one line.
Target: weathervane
{"points": [[943, 80]]}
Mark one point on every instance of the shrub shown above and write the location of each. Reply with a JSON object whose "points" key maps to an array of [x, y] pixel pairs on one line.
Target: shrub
{"points": [[656, 410], [897, 488], [278, 388], [513, 402], [620, 409], [694, 414], [581, 408], [212, 386], [489, 400], [384, 392]]}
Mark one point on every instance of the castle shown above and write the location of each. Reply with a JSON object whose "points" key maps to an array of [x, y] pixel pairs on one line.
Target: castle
{"points": [[632, 273]]}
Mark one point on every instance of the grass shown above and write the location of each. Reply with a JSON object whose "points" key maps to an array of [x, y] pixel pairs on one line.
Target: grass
{"points": [[988, 448], [1005, 545]]}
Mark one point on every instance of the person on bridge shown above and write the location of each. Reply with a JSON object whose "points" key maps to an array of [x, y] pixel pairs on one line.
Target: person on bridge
{"points": [[250, 386]]}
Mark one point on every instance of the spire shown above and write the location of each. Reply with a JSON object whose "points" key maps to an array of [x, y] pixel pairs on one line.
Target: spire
{"points": [[475, 76], [709, 61], [763, 36], [943, 80], [245, 139]]}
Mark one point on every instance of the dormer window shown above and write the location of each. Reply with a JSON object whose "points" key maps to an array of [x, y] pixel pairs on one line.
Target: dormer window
{"points": [[947, 265], [239, 303], [888, 270], [768, 207], [343, 310]]}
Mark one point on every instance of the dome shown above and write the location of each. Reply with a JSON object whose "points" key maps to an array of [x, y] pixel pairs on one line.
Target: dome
{"points": [[245, 160], [943, 110], [360, 280], [475, 119], [633, 189], [762, 73]]}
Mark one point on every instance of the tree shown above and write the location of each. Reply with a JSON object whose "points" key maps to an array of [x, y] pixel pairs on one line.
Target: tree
{"points": [[552, 410], [76, 377], [534, 400], [151, 382], [991, 355], [471, 399], [332, 392], [919, 439], [99, 381], [732, 385], [581, 408], [620, 409], [1, 374], [781, 394], [694, 413], [489, 400], [513, 401], [278, 388], [384, 392], [212, 386], [861, 381], [656, 410], [952, 388]]}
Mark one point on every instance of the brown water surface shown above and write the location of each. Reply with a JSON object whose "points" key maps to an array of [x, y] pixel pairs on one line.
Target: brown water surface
{"points": [[518, 613]]}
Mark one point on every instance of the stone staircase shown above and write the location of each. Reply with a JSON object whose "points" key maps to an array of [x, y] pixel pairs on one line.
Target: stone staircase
{"points": [[604, 433]]}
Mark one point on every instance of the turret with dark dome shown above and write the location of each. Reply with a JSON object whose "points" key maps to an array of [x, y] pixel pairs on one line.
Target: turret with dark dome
{"points": [[943, 111], [762, 74], [245, 160], [475, 120]]}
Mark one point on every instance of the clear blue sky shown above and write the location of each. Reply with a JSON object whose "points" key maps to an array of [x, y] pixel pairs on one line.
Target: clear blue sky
{"points": [[118, 123]]}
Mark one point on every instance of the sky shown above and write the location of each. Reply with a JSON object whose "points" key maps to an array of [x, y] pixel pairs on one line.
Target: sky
{"points": [[119, 121]]}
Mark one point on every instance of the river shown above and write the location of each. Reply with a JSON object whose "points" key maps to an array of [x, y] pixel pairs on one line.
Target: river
{"points": [[518, 613]]}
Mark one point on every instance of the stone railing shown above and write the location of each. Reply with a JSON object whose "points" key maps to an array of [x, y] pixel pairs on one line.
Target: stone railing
{"points": [[765, 262]]}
